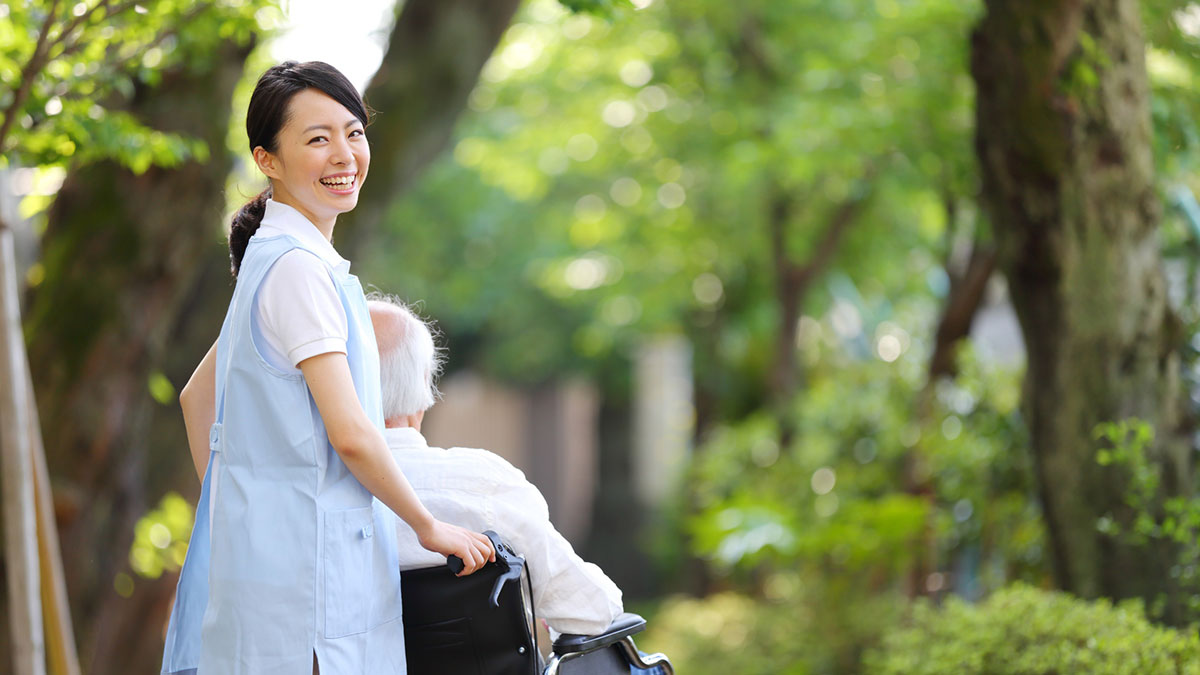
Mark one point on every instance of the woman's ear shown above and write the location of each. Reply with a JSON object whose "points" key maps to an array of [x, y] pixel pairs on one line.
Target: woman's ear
{"points": [[267, 163]]}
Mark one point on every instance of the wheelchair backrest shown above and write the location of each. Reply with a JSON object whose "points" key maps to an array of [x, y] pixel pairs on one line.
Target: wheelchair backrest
{"points": [[450, 625]]}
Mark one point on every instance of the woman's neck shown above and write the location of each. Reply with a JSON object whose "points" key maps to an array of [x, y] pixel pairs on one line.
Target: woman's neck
{"points": [[324, 227]]}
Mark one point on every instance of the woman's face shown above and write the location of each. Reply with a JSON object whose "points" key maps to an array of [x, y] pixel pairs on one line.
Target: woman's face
{"points": [[321, 158]]}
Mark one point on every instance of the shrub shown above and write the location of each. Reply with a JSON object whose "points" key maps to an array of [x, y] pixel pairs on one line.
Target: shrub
{"points": [[1026, 631], [802, 624]]}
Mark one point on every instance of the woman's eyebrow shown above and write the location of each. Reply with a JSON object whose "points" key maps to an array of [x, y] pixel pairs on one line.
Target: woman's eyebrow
{"points": [[326, 127]]}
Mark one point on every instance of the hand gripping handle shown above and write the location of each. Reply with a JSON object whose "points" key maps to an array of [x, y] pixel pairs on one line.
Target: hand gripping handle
{"points": [[506, 558]]}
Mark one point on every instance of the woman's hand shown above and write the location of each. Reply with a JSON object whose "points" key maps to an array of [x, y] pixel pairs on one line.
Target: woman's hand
{"points": [[474, 548], [362, 447]]}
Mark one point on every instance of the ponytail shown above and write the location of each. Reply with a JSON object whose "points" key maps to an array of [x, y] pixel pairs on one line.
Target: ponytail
{"points": [[245, 224]]}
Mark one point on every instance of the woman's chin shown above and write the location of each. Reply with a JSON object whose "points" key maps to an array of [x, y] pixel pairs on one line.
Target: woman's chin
{"points": [[341, 203]]}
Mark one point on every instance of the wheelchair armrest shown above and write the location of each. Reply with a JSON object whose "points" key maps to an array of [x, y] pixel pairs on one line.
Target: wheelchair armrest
{"points": [[625, 625]]}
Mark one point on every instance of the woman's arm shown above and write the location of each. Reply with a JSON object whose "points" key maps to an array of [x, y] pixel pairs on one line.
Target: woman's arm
{"points": [[199, 402], [362, 447]]}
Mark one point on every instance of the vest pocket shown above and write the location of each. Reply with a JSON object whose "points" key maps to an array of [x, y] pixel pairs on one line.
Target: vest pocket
{"points": [[348, 571]]}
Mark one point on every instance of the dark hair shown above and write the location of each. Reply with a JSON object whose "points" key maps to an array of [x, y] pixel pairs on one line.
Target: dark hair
{"points": [[266, 115]]}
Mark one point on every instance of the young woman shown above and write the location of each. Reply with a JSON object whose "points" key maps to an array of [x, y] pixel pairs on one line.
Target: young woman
{"points": [[292, 562]]}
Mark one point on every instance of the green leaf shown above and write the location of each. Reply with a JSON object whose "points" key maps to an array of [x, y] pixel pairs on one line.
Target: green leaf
{"points": [[161, 388]]}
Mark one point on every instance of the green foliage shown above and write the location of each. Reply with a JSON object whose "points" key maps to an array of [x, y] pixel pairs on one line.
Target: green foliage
{"points": [[760, 504], [827, 508], [1027, 631], [617, 179], [160, 537], [1173, 63], [66, 70], [161, 389], [1082, 77], [832, 496], [797, 626], [1128, 440], [1150, 519], [598, 7]]}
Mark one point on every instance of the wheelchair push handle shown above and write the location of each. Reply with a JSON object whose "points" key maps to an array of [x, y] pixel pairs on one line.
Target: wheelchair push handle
{"points": [[506, 558], [456, 563]]}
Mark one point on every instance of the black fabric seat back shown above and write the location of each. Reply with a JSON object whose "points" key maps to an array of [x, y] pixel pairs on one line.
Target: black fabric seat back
{"points": [[451, 627]]}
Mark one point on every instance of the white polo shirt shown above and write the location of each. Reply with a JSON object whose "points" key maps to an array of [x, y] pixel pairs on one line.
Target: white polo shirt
{"points": [[297, 311]]}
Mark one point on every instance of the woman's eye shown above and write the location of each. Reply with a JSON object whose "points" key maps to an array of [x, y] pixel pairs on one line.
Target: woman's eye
{"points": [[356, 131], [316, 138]]}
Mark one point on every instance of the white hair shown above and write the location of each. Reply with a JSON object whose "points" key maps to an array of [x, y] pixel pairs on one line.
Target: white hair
{"points": [[408, 361]]}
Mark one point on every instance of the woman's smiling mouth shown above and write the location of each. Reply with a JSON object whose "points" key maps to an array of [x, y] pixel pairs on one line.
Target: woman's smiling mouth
{"points": [[340, 184]]}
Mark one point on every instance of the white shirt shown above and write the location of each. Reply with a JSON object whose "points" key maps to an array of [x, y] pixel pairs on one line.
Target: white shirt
{"points": [[479, 490], [297, 310]]}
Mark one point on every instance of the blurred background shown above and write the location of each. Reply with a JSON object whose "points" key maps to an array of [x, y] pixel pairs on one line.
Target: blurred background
{"points": [[845, 335]]}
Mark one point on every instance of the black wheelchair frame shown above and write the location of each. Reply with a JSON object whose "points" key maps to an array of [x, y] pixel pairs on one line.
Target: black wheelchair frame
{"points": [[484, 624]]}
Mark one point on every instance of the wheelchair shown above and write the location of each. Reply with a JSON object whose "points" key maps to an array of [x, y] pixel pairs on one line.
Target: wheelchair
{"points": [[484, 624]]}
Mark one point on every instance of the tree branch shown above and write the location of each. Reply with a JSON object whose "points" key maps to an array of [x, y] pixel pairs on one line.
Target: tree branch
{"points": [[138, 53], [752, 52], [45, 44], [110, 66], [32, 67], [831, 239], [792, 283], [962, 304], [70, 28]]}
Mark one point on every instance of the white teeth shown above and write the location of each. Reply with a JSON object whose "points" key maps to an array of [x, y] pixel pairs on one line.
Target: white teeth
{"points": [[340, 181]]}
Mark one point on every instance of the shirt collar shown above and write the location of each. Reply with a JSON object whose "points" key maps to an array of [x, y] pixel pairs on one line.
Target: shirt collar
{"points": [[405, 437], [279, 218]]}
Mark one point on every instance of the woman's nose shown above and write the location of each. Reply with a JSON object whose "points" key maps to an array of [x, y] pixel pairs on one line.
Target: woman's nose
{"points": [[342, 153]]}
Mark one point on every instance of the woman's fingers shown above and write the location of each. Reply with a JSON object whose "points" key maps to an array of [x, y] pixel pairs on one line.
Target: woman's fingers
{"points": [[472, 560], [485, 547], [469, 555], [473, 548]]}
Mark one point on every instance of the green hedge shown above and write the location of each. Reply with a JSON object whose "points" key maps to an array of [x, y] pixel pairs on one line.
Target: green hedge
{"points": [[803, 624], [1026, 631]]}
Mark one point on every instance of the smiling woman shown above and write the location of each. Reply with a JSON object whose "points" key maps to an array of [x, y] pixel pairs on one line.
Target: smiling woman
{"points": [[291, 125], [293, 558], [321, 158]]}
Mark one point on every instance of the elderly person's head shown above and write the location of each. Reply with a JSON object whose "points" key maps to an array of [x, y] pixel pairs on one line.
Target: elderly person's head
{"points": [[408, 361]]}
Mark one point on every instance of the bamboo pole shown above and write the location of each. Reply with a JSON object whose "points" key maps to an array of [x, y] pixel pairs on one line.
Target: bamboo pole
{"points": [[20, 521], [61, 654]]}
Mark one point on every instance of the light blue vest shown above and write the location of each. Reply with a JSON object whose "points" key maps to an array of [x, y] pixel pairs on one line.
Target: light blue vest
{"points": [[298, 556]]}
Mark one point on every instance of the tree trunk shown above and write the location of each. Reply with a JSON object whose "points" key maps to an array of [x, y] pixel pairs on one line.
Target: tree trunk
{"points": [[1063, 140], [436, 51], [121, 253]]}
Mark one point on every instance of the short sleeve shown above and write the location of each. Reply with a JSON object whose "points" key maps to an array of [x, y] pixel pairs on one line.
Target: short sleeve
{"points": [[300, 311]]}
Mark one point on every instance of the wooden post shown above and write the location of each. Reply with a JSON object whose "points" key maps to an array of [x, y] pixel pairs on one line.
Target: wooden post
{"points": [[20, 522], [62, 657]]}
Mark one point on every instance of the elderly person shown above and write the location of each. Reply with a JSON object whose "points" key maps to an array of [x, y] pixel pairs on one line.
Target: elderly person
{"points": [[477, 489]]}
